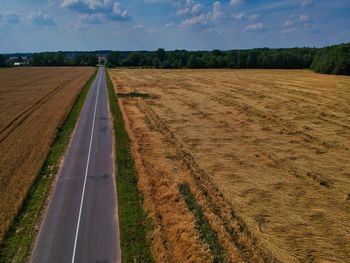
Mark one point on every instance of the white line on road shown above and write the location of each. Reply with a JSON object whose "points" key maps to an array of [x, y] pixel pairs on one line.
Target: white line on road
{"points": [[86, 170]]}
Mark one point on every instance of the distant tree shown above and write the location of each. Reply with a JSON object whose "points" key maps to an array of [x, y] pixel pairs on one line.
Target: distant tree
{"points": [[166, 64], [91, 60], [160, 53], [134, 59], [194, 62], [156, 63], [333, 60], [59, 59], [2, 61], [115, 58], [78, 59]]}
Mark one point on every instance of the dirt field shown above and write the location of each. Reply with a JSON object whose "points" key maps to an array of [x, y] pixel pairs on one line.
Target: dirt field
{"points": [[266, 153], [33, 103]]}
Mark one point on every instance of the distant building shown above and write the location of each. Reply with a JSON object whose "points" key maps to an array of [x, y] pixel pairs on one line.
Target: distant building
{"points": [[18, 64], [102, 57]]}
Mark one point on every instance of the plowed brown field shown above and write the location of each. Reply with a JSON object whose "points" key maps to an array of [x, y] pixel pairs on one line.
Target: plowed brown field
{"points": [[33, 103], [265, 152]]}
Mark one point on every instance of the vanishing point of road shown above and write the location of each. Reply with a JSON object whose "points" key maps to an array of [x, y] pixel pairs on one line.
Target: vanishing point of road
{"points": [[81, 221]]}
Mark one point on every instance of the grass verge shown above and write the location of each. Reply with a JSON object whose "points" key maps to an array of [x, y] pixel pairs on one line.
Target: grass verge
{"points": [[20, 237], [206, 233], [133, 222]]}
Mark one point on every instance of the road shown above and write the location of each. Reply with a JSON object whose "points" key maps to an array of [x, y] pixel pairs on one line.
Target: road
{"points": [[81, 221]]}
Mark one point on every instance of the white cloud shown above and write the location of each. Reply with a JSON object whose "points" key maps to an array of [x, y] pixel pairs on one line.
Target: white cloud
{"points": [[244, 16], [112, 10], [139, 27], [191, 8], [304, 18], [92, 19], [236, 2], [40, 19], [254, 27], [169, 25], [183, 12], [306, 3], [196, 20], [196, 8], [119, 11], [288, 23], [217, 10]]}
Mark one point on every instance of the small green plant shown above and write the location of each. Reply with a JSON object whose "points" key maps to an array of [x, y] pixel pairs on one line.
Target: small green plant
{"points": [[206, 233]]}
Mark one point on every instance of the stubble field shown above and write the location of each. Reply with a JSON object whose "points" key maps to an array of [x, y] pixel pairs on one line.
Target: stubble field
{"points": [[33, 104], [265, 153]]}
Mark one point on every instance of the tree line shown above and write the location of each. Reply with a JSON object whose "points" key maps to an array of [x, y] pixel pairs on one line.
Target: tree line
{"points": [[255, 58], [61, 59], [330, 60]]}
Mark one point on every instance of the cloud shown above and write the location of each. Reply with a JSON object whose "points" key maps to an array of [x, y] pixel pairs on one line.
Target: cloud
{"points": [[169, 25], [244, 16], [236, 2], [205, 18], [304, 18], [190, 8], [40, 19], [217, 10], [288, 23], [139, 27], [94, 19], [11, 18], [307, 3], [196, 20], [110, 10], [255, 27], [88, 6]]}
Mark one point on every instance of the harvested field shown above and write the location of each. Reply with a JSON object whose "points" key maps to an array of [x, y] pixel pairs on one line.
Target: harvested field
{"points": [[33, 104], [264, 152]]}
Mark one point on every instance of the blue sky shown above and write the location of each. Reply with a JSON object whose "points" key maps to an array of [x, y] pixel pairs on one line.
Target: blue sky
{"points": [[51, 25]]}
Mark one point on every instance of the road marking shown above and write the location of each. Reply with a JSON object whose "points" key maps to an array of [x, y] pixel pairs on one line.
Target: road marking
{"points": [[86, 170]]}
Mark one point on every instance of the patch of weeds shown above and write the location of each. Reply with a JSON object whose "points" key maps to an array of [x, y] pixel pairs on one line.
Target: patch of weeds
{"points": [[134, 95], [19, 239], [133, 223], [206, 233]]}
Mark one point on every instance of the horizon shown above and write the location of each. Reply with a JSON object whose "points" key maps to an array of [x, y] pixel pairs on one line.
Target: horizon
{"points": [[194, 25]]}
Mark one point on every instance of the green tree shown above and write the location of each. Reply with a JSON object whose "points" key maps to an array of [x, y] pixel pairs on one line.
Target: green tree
{"points": [[115, 58], [160, 54], [2, 61], [59, 59]]}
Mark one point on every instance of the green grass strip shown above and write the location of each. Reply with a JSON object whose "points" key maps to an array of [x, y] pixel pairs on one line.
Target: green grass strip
{"points": [[20, 237], [133, 223], [206, 233]]}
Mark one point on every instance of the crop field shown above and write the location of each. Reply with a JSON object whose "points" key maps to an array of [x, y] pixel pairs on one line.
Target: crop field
{"points": [[249, 164], [33, 104]]}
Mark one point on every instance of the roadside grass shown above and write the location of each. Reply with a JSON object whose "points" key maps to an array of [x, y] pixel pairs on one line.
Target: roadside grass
{"points": [[206, 233], [20, 237], [134, 226]]}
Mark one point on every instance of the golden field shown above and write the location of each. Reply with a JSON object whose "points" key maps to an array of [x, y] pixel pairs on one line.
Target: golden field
{"points": [[33, 104], [265, 152]]}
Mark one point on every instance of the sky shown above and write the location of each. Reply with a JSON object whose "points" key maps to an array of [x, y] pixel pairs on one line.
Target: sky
{"points": [[52, 25]]}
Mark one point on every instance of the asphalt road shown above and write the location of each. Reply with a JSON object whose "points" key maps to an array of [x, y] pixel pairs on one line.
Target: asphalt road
{"points": [[81, 221]]}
